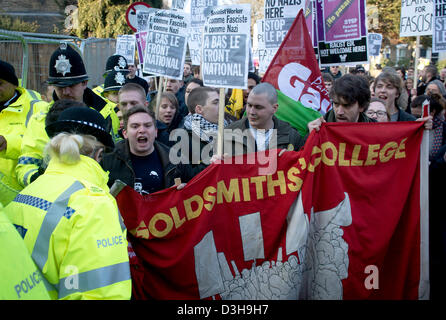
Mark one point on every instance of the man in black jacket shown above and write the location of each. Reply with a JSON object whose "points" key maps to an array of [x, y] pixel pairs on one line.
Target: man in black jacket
{"points": [[141, 162]]}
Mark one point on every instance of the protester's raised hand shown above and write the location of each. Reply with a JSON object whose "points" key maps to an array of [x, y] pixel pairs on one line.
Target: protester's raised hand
{"points": [[216, 158], [181, 186], [282, 152], [428, 123], [315, 124]]}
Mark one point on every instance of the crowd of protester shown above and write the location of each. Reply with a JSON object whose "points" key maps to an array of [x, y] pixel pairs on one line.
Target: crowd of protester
{"points": [[57, 146]]}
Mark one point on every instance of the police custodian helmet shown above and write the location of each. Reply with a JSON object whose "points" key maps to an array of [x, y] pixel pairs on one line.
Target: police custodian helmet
{"points": [[114, 81], [66, 67], [116, 62]]}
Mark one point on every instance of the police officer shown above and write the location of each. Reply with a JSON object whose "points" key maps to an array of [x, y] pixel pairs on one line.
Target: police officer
{"points": [[70, 222], [68, 75], [17, 105], [20, 280], [113, 82], [115, 62]]}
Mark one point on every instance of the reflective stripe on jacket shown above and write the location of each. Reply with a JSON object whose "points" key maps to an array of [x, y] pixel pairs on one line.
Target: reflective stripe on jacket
{"points": [[33, 143], [72, 228], [20, 278], [13, 122]]}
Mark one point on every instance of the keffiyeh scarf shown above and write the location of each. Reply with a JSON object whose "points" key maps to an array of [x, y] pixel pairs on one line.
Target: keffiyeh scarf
{"points": [[207, 131]]}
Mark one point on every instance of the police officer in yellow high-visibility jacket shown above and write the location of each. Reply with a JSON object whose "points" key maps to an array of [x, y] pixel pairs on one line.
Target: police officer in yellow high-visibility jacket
{"points": [[68, 75], [17, 105], [70, 221], [20, 278]]}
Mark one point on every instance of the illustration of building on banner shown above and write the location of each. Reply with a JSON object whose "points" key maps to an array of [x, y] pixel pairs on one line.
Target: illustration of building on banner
{"points": [[326, 261], [316, 264]]}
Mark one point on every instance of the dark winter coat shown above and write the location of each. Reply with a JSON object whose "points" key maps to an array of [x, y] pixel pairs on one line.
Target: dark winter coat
{"points": [[119, 165]]}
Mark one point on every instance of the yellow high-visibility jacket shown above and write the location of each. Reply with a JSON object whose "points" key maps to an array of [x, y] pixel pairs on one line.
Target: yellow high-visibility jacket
{"points": [[98, 90], [33, 143], [35, 138], [72, 227], [112, 109], [20, 278], [13, 122]]}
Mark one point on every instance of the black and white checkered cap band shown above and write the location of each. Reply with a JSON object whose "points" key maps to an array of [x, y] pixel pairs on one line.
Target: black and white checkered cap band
{"points": [[90, 124]]}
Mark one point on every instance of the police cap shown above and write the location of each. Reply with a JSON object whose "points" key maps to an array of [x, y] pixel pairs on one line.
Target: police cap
{"points": [[66, 67], [116, 62], [114, 81]]}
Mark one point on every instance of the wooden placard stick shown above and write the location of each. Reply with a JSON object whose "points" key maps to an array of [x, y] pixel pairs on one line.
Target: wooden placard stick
{"points": [[221, 122], [158, 96]]}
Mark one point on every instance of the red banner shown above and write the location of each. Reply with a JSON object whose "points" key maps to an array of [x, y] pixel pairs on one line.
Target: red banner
{"points": [[339, 219]]}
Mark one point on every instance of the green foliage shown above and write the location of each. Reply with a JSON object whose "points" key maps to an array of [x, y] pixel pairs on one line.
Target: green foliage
{"points": [[388, 62], [404, 62], [105, 18], [17, 24], [388, 16]]}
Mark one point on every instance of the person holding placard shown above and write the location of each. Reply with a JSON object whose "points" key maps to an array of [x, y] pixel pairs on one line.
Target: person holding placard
{"points": [[202, 124]]}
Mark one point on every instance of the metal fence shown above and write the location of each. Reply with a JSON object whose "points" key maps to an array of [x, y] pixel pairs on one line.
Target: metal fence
{"points": [[30, 53], [95, 53]]}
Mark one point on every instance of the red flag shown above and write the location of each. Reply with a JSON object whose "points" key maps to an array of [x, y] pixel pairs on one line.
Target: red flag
{"points": [[294, 72], [339, 219]]}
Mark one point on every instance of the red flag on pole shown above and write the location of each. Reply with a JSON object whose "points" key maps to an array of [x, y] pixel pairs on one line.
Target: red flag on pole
{"points": [[294, 72]]}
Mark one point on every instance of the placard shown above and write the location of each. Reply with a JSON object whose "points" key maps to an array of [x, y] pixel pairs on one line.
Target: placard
{"points": [[279, 16], [416, 18], [375, 40], [141, 38], [341, 20], [125, 46], [199, 11], [264, 54], [166, 43], [439, 34], [226, 43], [345, 52]]}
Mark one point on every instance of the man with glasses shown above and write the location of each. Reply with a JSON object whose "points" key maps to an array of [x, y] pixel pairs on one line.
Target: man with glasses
{"points": [[377, 110]]}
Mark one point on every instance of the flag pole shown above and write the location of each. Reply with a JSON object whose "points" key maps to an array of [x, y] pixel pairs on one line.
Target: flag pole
{"points": [[424, 286], [221, 122]]}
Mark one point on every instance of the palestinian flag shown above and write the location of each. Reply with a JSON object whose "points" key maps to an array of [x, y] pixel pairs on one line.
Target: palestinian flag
{"points": [[294, 72]]}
